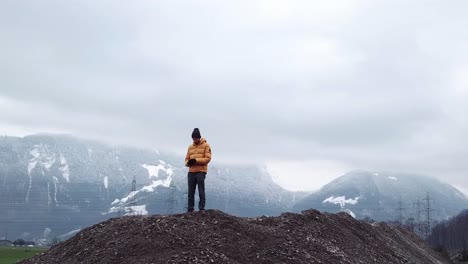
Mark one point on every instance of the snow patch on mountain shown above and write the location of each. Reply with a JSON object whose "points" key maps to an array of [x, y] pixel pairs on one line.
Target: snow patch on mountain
{"points": [[153, 172], [341, 200], [32, 164], [136, 210], [129, 210], [106, 182], [150, 188], [68, 235], [350, 212], [393, 178], [49, 198], [42, 156], [56, 190], [126, 199], [64, 168]]}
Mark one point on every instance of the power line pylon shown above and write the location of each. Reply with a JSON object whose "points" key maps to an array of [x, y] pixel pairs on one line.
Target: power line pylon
{"points": [[400, 210], [171, 201], [427, 210], [132, 202], [419, 224]]}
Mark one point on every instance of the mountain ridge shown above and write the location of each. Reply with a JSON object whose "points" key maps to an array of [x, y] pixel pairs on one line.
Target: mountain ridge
{"points": [[69, 183], [377, 195]]}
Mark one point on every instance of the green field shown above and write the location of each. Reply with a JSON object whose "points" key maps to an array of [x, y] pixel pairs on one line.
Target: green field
{"points": [[9, 255]]}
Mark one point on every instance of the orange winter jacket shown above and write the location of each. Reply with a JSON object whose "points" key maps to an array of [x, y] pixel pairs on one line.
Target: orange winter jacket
{"points": [[202, 153]]}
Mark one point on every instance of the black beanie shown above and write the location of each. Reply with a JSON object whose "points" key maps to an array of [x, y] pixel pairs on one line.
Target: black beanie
{"points": [[196, 133]]}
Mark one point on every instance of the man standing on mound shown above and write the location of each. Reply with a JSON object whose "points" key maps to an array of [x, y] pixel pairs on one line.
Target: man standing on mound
{"points": [[197, 159]]}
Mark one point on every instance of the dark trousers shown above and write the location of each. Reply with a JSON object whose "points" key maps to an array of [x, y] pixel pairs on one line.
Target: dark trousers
{"points": [[194, 179]]}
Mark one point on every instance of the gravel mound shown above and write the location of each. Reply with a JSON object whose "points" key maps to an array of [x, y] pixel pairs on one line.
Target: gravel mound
{"points": [[215, 237]]}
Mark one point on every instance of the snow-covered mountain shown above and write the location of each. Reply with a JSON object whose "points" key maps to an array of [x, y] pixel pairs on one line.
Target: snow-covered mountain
{"points": [[383, 196], [62, 183]]}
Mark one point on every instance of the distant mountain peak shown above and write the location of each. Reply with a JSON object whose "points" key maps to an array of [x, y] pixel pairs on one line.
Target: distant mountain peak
{"points": [[376, 194]]}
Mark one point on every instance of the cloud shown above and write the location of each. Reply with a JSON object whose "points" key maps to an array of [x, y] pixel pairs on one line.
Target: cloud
{"points": [[378, 85]]}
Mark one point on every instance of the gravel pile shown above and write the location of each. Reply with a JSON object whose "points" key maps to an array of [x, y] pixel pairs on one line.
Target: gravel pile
{"points": [[215, 237]]}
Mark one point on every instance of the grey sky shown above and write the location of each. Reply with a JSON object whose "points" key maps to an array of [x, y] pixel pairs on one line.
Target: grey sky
{"points": [[312, 89]]}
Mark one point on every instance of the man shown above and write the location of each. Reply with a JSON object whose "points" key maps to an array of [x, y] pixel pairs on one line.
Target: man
{"points": [[197, 159]]}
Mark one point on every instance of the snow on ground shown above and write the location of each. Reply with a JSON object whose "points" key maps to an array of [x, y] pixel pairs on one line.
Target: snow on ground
{"points": [[341, 200]]}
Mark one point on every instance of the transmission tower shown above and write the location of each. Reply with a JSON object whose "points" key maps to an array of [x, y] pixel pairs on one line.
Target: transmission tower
{"points": [[411, 224], [132, 202], [185, 197], [418, 205], [400, 210], [170, 201], [226, 205], [428, 210]]}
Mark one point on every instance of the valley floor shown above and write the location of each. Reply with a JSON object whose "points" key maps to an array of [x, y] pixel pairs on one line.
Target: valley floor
{"points": [[10, 255]]}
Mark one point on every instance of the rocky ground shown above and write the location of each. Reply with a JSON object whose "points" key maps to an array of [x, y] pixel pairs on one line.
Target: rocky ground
{"points": [[216, 237]]}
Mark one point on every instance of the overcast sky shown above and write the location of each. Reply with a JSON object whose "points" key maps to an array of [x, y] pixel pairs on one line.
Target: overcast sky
{"points": [[311, 89]]}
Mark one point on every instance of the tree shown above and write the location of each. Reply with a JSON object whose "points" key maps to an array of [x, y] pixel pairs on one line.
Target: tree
{"points": [[452, 234], [19, 242], [464, 255], [55, 241]]}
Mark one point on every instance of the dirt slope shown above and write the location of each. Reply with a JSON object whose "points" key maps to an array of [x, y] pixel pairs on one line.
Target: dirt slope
{"points": [[216, 237]]}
